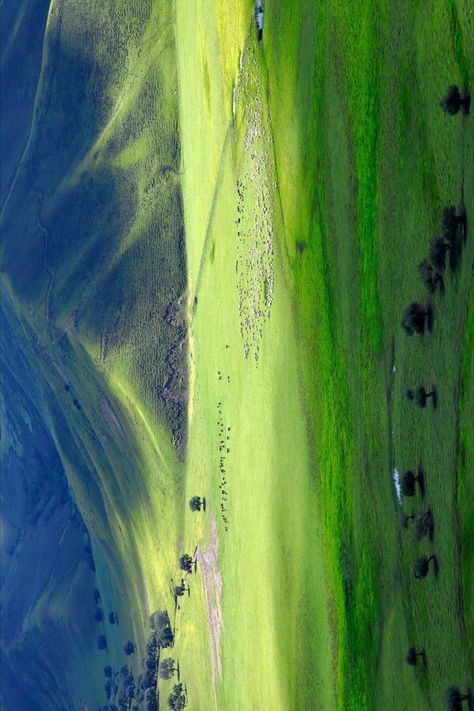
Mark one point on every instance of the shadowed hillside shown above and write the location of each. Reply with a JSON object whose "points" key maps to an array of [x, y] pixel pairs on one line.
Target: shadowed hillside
{"points": [[94, 345], [93, 220]]}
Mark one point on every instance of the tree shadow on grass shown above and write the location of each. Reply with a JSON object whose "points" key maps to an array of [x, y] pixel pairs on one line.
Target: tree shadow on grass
{"points": [[466, 101], [470, 700], [430, 526], [421, 480], [457, 246], [455, 253], [429, 318]]}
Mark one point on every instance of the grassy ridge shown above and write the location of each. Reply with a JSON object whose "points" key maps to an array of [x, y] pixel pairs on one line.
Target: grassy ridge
{"points": [[94, 261]]}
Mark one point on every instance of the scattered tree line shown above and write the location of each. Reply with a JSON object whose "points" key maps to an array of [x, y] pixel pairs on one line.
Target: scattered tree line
{"points": [[99, 614], [120, 689], [124, 693], [416, 319]]}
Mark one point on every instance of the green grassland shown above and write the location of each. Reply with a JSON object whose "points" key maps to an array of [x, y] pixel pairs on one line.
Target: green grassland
{"points": [[211, 242], [365, 161]]}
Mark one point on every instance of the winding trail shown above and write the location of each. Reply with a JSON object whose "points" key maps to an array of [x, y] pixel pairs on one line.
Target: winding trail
{"points": [[213, 591]]}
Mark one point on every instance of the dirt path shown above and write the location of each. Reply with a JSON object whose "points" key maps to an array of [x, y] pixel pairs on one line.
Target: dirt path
{"points": [[213, 590]]}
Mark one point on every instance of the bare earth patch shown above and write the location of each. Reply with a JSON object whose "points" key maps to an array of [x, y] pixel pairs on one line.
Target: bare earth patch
{"points": [[213, 590]]}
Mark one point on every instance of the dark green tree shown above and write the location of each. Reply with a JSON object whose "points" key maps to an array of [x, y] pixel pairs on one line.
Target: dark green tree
{"points": [[99, 615], [165, 637], [101, 642], [415, 318], [166, 668], [422, 566], [186, 563], [432, 279], [451, 101], [129, 648], [420, 395], [177, 699], [450, 223], [412, 655], [112, 618], [159, 619], [437, 253], [179, 590], [409, 480], [454, 699], [195, 503], [163, 634]]}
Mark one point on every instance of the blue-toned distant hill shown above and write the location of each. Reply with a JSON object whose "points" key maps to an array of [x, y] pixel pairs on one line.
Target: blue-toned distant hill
{"points": [[48, 630], [93, 299]]}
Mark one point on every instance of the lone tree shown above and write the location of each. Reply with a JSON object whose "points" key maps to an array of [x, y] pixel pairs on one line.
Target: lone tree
{"points": [[180, 590], [422, 566], [453, 101], [108, 671], [409, 481], [186, 563], [101, 642], [415, 317], [412, 655], [432, 279], [99, 615], [96, 596], [112, 618], [129, 648], [454, 699], [420, 396], [166, 668], [196, 502]]}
